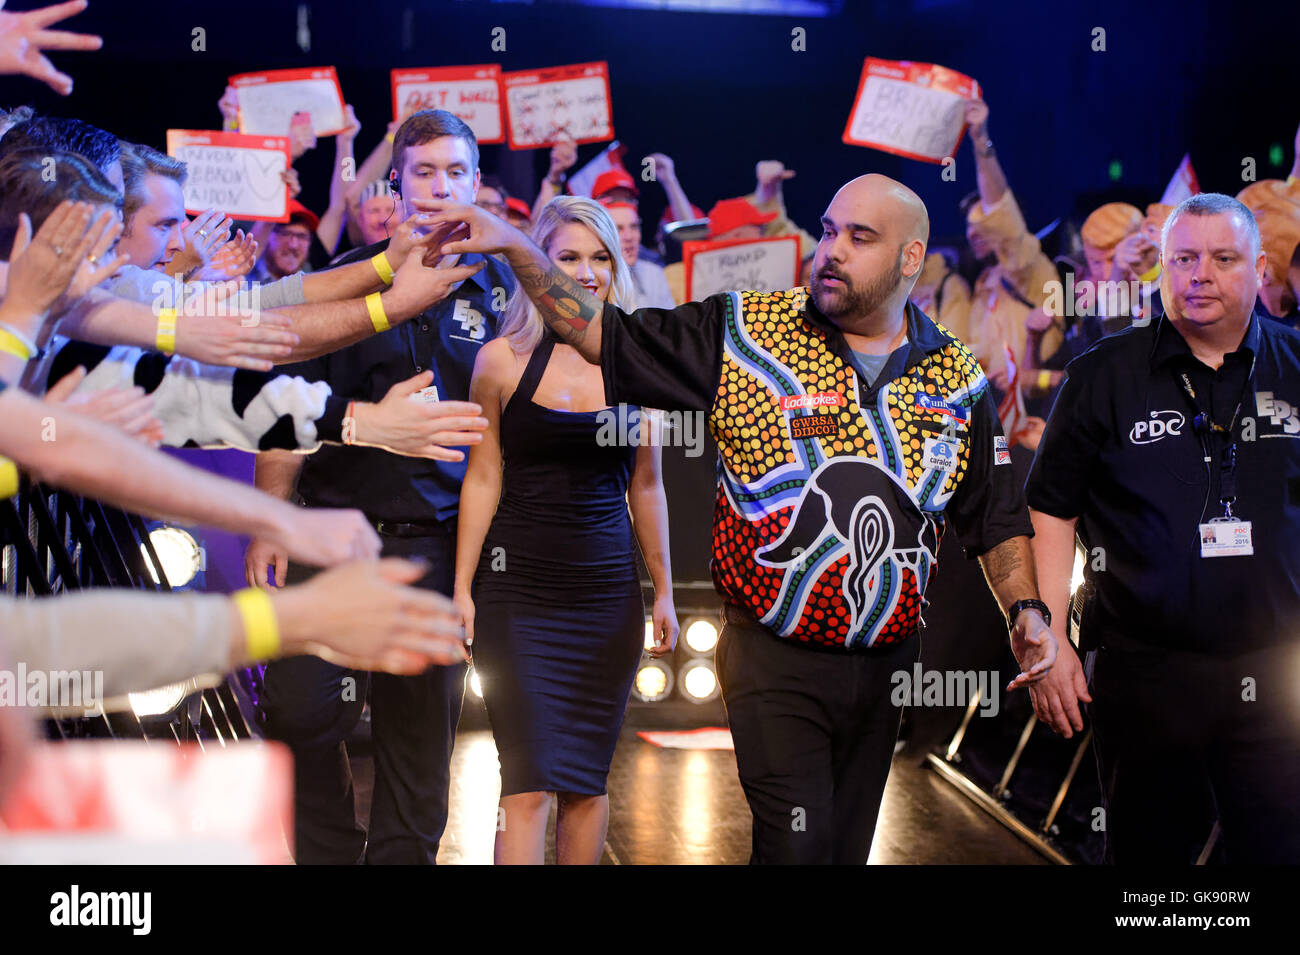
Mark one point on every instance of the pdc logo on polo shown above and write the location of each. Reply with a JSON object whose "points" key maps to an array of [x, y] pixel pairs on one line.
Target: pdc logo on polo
{"points": [[1161, 423]]}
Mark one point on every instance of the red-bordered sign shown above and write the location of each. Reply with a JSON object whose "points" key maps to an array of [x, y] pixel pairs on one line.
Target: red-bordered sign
{"points": [[543, 107], [473, 93], [909, 109], [329, 123], [245, 184], [768, 273]]}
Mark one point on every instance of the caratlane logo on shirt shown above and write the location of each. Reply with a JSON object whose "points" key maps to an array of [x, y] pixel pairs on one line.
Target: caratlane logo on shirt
{"points": [[1161, 423], [939, 406], [814, 426], [940, 455], [816, 399], [1000, 453], [75, 907]]}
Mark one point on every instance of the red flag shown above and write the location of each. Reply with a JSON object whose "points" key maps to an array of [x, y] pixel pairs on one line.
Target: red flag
{"points": [[1012, 409], [1183, 183]]}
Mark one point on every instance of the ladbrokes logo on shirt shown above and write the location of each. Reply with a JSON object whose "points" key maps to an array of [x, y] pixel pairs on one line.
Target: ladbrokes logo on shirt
{"points": [[821, 399], [828, 511]]}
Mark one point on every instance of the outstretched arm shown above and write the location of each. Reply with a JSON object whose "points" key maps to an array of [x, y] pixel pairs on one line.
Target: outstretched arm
{"points": [[568, 309], [988, 171], [99, 461]]}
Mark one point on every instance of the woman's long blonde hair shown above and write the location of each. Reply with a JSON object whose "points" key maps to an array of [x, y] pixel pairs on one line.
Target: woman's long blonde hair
{"points": [[523, 326]]}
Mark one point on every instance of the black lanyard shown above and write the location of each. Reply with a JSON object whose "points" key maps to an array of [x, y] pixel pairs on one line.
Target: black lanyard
{"points": [[1204, 426]]}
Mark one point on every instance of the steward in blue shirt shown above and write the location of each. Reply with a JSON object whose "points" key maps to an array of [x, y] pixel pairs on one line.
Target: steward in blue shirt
{"points": [[313, 705]]}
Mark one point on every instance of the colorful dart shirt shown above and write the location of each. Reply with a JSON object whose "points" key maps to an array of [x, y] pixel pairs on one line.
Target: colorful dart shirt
{"points": [[832, 492]]}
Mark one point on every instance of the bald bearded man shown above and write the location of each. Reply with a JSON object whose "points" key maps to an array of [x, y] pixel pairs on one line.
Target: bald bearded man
{"points": [[850, 428]]}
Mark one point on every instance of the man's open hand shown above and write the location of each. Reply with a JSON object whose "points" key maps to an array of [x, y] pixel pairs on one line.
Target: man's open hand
{"points": [[24, 38]]}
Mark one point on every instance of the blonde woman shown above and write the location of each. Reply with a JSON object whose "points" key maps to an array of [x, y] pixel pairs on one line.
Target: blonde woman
{"points": [[546, 572]]}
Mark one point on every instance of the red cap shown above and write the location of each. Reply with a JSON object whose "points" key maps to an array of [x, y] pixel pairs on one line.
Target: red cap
{"points": [[300, 213], [609, 203], [616, 178], [696, 213], [521, 207], [733, 213]]}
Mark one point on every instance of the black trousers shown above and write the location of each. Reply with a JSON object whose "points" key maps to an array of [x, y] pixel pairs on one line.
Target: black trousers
{"points": [[1182, 738], [313, 706], [814, 734]]}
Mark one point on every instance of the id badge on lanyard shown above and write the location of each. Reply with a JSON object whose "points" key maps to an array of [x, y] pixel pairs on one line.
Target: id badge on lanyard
{"points": [[1226, 535]]}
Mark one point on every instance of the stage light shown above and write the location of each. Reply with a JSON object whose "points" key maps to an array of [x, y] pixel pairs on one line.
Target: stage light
{"points": [[699, 681], [649, 633], [178, 552], [1076, 575], [701, 636], [475, 684], [161, 701], [654, 681]]}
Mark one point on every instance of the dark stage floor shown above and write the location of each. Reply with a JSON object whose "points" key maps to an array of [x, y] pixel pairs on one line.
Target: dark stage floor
{"points": [[672, 806]]}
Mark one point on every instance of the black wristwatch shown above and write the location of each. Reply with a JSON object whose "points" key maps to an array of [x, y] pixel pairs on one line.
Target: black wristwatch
{"points": [[1029, 604]]}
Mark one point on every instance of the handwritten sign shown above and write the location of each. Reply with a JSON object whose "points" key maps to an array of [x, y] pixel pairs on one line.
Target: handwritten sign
{"points": [[565, 102], [910, 109], [268, 99], [763, 265], [238, 174], [471, 93]]}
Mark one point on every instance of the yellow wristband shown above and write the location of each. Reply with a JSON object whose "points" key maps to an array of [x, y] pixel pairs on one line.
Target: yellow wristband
{"points": [[383, 267], [375, 306], [166, 340], [8, 478], [261, 629], [13, 345], [1044, 380], [1151, 275]]}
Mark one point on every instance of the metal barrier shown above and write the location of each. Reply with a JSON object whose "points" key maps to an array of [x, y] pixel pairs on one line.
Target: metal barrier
{"points": [[52, 542]]}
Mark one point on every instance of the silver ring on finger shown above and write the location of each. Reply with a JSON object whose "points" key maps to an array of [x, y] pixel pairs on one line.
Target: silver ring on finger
{"points": [[58, 250], [203, 233]]}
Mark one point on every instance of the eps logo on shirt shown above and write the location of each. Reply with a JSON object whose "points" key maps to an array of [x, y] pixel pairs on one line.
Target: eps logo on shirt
{"points": [[471, 321], [1161, 423], [1278, 412]]}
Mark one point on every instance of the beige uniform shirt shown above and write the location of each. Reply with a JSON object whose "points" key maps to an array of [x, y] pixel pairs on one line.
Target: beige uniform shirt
{"points": [[954, 304], [997, 315]]}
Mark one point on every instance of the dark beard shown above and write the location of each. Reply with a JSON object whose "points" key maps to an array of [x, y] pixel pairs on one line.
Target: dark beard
{"points": [[855, 301]]}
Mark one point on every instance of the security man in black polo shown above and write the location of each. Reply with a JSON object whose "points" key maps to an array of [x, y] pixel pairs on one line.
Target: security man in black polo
{"points": [[1173, 451], [413, 502]]}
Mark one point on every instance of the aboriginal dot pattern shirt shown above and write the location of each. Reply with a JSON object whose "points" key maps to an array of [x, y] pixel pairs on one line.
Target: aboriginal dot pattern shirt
{"points": [[832, 492]]}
